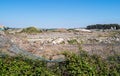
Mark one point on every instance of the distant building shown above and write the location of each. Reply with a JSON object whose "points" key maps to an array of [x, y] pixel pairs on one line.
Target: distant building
{"points": [[2, 27]]}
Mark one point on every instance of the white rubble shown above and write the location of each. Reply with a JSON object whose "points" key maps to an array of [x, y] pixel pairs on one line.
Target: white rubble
{"points": [[58, 41]]}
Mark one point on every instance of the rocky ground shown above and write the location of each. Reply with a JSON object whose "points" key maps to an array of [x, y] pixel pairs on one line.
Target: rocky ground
{"points": [[50, 45]]}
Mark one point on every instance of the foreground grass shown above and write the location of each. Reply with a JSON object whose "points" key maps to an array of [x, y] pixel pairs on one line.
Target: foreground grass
{"points": [[74, 65]]}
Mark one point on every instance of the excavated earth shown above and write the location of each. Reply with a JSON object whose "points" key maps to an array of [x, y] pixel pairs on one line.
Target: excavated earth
{"points": [[49, 46]]}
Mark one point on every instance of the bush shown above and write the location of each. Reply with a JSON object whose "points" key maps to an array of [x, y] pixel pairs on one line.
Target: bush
{"points": [[86, 65], [81, 64], [73, 41], [17, 66], [31, 30]]}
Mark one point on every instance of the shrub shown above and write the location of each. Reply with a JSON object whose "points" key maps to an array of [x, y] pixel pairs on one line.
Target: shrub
{"points": [[81, 64], [89, 65], [73, 41], [16, 66], [31, 30]]}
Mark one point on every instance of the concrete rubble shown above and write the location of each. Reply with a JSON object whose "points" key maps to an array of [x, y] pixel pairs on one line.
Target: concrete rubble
{"points": [[51, 45]]}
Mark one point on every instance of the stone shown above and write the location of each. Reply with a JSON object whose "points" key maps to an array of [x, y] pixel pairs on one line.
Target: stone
{"points": [[58, 57], [58, 41]]}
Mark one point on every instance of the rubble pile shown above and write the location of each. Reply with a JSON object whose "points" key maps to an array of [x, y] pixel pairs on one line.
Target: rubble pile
{"points": [[50, 45]]}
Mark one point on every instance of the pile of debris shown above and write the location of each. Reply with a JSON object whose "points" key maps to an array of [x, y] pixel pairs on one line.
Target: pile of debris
{"points": [[8, 46]]}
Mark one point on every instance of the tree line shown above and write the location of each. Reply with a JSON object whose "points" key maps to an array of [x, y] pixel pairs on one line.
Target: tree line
{"points": [[104, 26]]}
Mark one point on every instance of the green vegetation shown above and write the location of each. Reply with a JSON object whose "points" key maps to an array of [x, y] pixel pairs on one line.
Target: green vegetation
{"points": [[17, 66], [73, 41], [86, 65], [81, 64], [31, 30], [104, 26]]}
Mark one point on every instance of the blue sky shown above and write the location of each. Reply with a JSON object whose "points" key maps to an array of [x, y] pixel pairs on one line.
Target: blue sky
{"points": [[58, 13]]}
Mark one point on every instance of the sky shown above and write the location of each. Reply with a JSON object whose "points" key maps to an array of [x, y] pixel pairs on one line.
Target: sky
{"points": [[58, 13]]}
